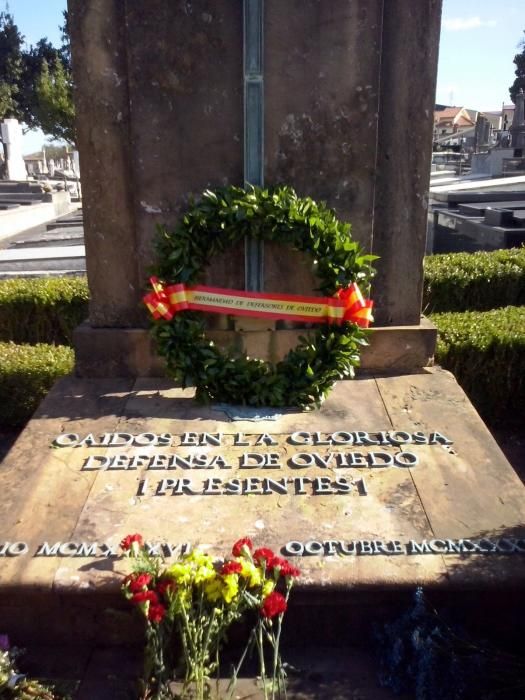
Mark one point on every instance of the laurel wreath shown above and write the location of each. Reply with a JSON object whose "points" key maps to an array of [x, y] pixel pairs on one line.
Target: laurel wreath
{"points": [[222, 219]]}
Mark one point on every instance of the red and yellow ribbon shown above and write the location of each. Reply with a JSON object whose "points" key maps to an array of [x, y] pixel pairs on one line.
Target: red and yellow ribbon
{"points": [[347, 305]]}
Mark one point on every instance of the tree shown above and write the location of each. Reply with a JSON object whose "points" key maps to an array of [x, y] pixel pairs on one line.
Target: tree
{"points": [[11, 66], [36, 83], [65, 49], [54, 108], [33, 60], [519, 83]]}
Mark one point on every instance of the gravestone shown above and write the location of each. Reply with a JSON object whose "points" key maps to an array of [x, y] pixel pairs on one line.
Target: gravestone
{"points": [[395, 481]]}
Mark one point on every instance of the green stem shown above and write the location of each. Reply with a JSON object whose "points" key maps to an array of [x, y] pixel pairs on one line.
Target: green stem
{"points": [[260, 645], [276, 660], [236, 669]]}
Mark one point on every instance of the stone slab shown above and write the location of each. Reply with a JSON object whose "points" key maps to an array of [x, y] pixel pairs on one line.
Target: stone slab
{"points": [[373, 531]]}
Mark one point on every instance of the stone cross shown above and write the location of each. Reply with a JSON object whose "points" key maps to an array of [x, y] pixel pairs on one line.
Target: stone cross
{"points": [[12, 137]]}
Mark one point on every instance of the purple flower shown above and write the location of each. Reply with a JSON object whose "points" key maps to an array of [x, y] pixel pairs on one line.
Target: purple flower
{"points": [[4, 642]]}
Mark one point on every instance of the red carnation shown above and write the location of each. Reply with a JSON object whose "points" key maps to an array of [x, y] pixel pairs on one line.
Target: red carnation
{"points": [[165, 587], [274, 604], [264, 554], [288, 570], [145, 597], [239, 546], [156, 613], [139, 582], [284, 566], [129, 540], [231, 567]]}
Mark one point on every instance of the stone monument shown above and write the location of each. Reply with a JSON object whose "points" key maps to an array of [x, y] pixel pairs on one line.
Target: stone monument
{"points": [[395, 481], [325, 127]]}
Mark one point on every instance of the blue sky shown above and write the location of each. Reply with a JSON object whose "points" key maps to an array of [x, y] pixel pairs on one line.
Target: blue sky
{"points": [[479, 39]]}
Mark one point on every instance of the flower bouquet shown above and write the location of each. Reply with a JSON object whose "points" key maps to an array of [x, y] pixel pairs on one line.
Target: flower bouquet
{"points": [[194, 602]]}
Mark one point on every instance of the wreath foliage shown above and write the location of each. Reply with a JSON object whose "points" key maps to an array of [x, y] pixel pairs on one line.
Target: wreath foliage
{"points": [[221, 219]]}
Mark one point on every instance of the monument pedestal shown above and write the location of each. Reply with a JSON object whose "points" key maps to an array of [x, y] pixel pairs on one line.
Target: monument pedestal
{"points": [[395, 482], [129, 352]]}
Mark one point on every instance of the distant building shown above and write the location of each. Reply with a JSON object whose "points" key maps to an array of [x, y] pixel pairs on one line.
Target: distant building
{"points": [[39, 164], [453, 121], [36, 163]]}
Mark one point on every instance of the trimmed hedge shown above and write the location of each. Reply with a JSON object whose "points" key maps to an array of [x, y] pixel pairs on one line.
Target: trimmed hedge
{"points": [[47, 310], [486, 353], [27, 372], [474, 281], [485, 350], [43, 310]]}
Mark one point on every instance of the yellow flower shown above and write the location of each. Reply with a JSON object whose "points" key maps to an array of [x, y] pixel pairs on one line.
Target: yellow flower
{"points": [[230, 587], [180, 572], [251, 573], [203, 574], [268, 587], [183, 597], [196, 556], [213, 590]]}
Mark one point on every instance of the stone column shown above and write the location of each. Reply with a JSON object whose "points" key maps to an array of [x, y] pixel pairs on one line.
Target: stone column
{"points": [[404, 151], [98, 39], [159, 118]]}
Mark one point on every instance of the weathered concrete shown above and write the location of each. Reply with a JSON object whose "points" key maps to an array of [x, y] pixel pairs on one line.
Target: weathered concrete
{"points": [[185, 86], [337, 101], [322, 100], [404, 152], [49, 495], [11, 131]]}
